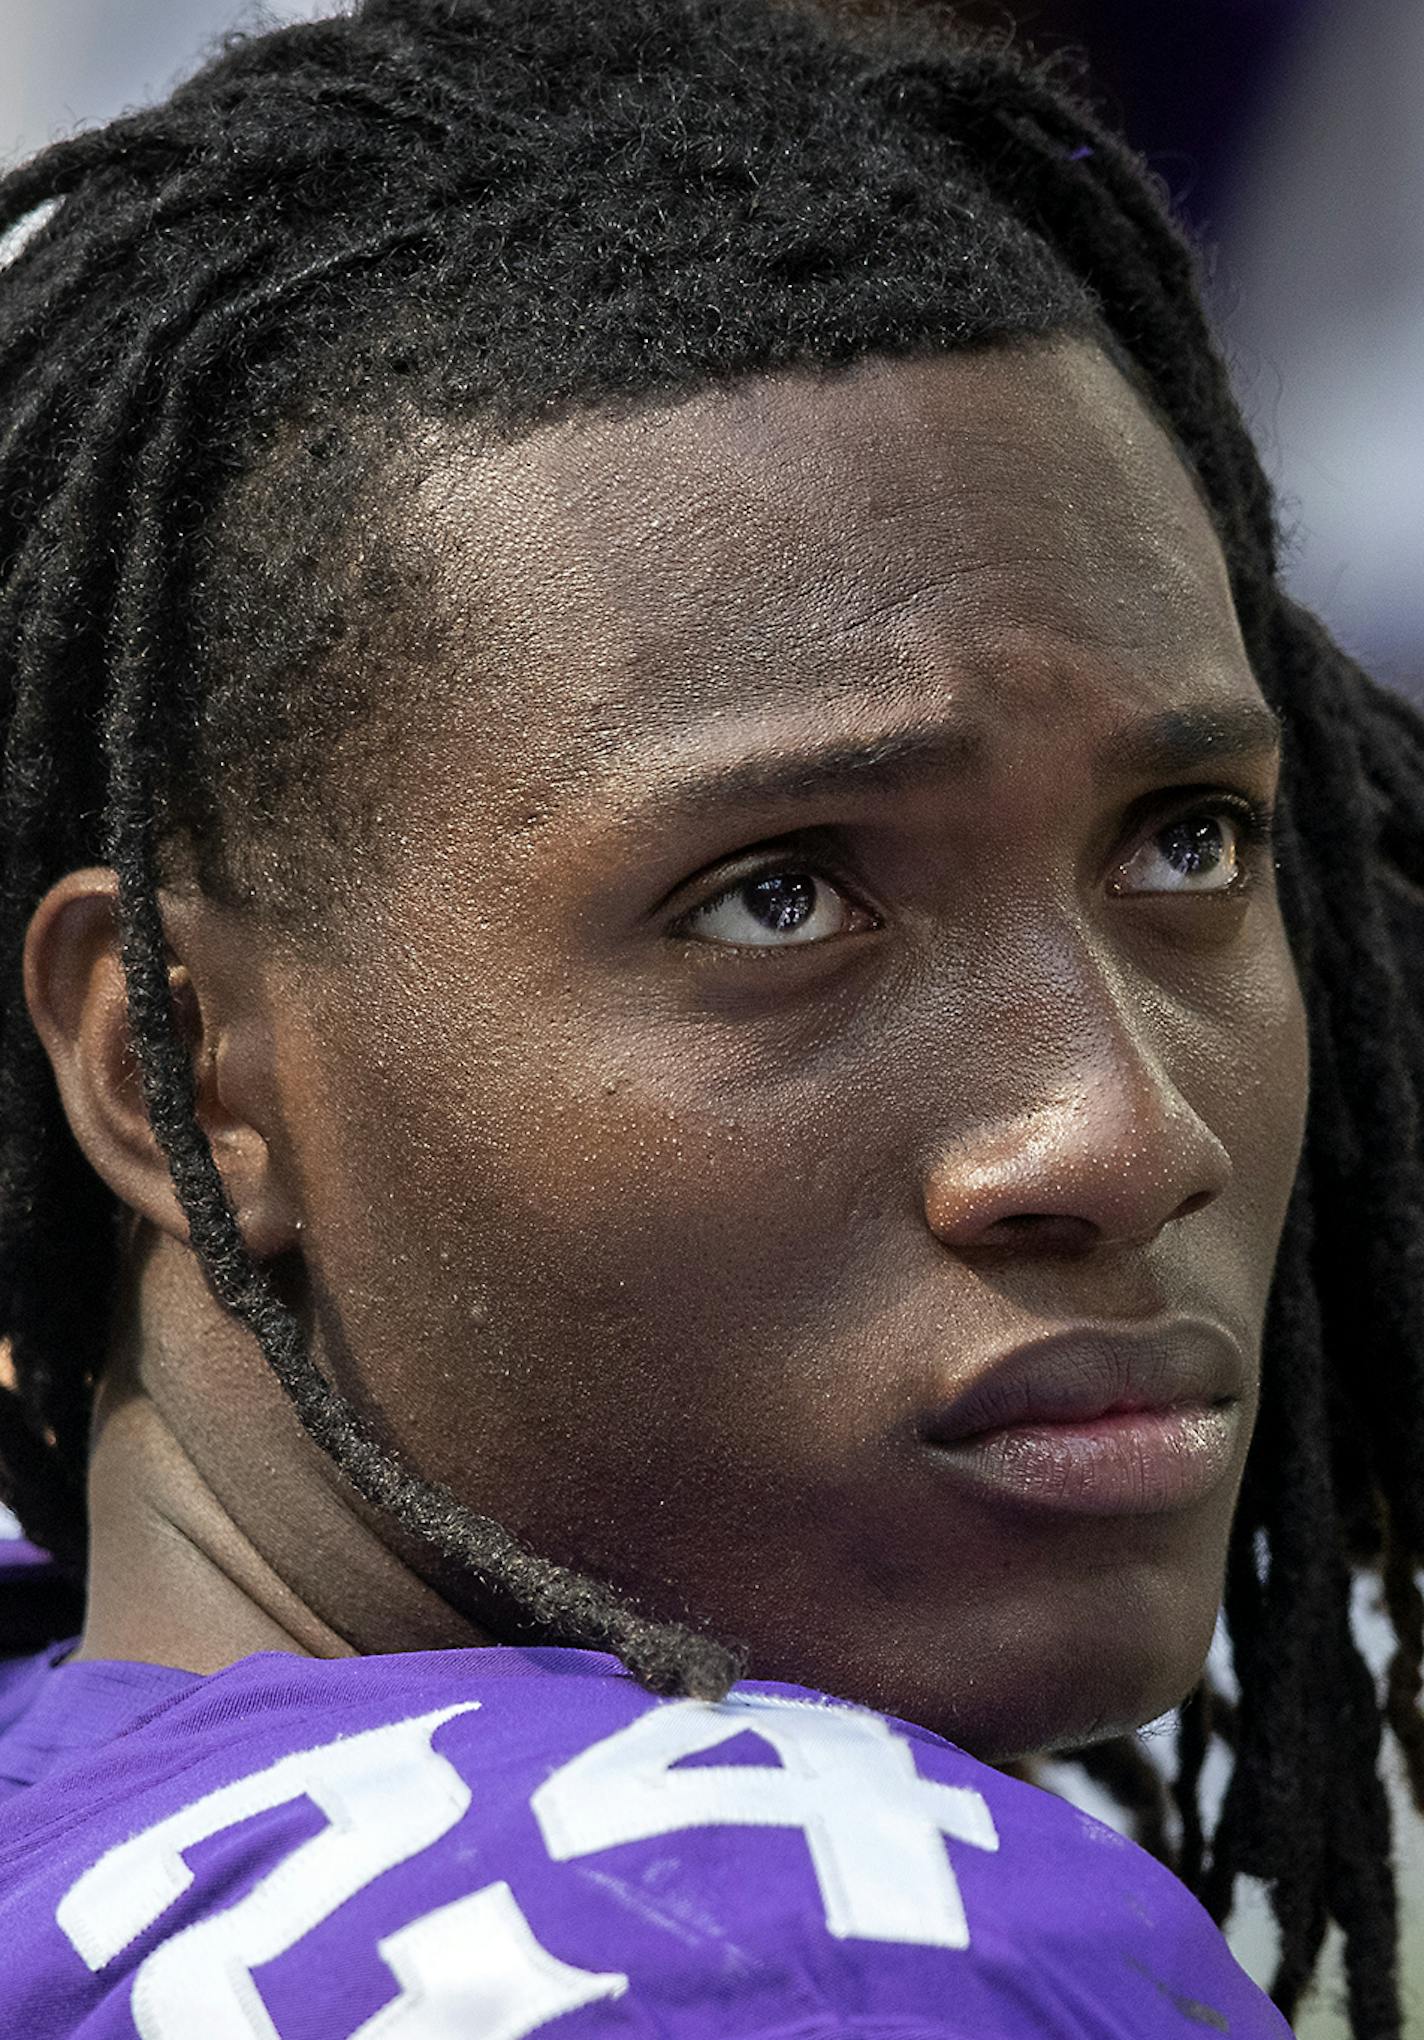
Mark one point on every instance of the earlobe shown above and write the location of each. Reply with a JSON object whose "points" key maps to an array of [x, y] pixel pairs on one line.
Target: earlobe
{"points": [[78, 1002]]}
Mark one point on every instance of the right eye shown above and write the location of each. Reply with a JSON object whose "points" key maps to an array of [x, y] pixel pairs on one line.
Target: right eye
{"points": [[776, 910]]}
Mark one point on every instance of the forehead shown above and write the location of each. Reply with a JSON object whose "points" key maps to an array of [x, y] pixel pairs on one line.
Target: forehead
{"points": [[1006, 533]]}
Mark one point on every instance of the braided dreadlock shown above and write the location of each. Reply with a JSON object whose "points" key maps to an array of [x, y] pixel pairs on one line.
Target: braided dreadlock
{"points": [[246, 296]]}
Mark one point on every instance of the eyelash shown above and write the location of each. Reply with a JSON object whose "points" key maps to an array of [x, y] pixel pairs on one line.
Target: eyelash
{"points": [[1255, 820]]}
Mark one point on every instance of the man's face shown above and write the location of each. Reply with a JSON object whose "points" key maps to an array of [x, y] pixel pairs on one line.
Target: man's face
{"points": [[788, 988]]}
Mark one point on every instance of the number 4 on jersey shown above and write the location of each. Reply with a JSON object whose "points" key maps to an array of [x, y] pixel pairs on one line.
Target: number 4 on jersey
{"points": [[875, 1829]]}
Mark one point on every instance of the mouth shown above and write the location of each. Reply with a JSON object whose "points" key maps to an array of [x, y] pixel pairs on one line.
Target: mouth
{"points": [[1100, 1420]]}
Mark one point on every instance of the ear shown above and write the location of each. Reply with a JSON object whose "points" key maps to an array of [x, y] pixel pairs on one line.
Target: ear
{"points": [[75, 991]]}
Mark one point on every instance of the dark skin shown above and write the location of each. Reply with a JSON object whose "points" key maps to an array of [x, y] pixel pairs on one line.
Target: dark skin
{"points": [[652, 1235]]}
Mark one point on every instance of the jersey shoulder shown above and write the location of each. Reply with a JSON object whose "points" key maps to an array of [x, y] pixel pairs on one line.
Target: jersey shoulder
{"points": [[485, 1843]]}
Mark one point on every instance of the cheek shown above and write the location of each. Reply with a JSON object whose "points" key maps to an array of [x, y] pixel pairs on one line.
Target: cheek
{"points": [[607, 1253]]}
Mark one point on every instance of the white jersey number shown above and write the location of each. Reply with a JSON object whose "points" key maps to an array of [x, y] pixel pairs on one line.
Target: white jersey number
{"points": [[471, 1967], [875, 1830]]}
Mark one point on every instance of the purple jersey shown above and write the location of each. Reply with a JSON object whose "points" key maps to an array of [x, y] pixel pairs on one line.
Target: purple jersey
{"points": [[490, 1844]]}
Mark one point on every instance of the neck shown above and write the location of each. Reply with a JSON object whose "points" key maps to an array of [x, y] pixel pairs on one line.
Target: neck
{"points": [[173, 1580], [216, 1527]]}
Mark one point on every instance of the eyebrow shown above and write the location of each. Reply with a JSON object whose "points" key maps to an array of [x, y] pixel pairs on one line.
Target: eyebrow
{"points": [[1184, 739], [1174, 740]]}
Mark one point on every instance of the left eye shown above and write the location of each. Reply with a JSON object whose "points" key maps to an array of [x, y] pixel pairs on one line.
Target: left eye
{"points": [[1202, 852], [774, 911]]}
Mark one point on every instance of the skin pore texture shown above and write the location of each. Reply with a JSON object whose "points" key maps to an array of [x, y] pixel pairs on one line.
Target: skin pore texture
{"points": [[659, 1238]]}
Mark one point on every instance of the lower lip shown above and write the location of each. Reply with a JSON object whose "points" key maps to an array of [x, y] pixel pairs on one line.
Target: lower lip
{"points": [[1130, 1463]]}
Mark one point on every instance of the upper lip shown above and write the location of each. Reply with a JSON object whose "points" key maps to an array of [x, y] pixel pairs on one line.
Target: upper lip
{"points": [[1085, 1371]]}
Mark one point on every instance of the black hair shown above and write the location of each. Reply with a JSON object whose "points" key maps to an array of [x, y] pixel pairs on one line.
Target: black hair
{"points": [[499, 211]]}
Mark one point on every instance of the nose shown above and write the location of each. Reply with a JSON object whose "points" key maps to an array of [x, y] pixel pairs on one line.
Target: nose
{"points": [[1108, 1153]]}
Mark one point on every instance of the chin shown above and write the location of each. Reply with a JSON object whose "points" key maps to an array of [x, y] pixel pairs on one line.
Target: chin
{"points": [[1045, 1710], [1068, 1703], [1023, 1680]]}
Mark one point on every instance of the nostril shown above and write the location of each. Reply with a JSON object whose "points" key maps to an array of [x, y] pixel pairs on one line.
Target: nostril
{"points": [[1046, 1232]]}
